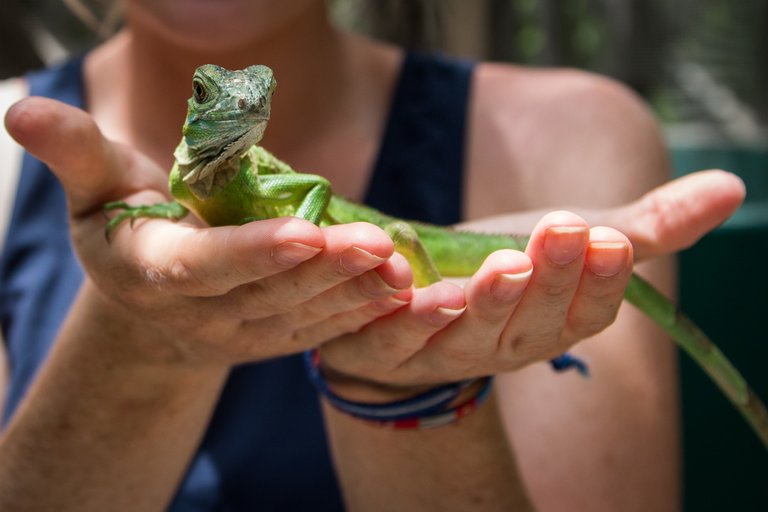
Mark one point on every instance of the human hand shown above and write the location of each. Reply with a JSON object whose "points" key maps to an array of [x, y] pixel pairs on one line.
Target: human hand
{"points": [[494, 336], [667, 219], [208, 295], [518, 308]]}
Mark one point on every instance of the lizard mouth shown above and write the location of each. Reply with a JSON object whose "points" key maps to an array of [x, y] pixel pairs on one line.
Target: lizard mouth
{"points": [[219, 169]]}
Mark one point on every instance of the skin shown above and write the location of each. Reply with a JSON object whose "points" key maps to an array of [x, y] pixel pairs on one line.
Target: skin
{"points": [[596, 446]]}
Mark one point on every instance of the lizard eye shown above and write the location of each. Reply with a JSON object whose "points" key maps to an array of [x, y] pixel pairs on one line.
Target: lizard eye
{"points": [[199, 91]]}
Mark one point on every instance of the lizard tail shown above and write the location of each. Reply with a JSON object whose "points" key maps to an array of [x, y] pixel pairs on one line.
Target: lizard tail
{"points": [[693, 340]]}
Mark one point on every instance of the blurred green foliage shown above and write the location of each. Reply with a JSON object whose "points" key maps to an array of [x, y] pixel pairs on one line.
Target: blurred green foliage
{"points": [[643, 43]]}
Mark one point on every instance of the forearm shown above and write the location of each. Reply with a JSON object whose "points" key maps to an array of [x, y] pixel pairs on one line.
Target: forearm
{"points": [[464, 466], [108, 425], [611, 441]]}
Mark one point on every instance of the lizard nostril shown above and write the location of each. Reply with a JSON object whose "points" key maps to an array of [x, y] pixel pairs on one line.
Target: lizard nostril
{"points": [[241, 104]]}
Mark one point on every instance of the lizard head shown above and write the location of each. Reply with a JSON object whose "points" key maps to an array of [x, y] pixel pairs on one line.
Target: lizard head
{"points": [[227, 113]]}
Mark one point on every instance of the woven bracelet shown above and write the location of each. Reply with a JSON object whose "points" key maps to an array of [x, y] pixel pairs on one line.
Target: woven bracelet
{"points": [[426, 410], [448, 416]]}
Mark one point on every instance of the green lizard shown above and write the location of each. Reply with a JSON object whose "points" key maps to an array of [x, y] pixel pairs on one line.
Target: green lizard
{"points": [[225, 178]]}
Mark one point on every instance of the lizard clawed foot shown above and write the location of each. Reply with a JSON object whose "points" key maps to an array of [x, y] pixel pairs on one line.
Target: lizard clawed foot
{"points": [[171, 210]]}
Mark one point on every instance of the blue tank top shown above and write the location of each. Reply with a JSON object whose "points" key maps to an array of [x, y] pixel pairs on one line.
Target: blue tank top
{"points": [[265, 448]]}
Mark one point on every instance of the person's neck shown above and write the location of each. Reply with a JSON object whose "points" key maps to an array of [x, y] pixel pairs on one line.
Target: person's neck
{"points": [[154, 75]]}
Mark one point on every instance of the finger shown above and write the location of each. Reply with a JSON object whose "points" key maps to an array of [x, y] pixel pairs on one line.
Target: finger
{"points": [[601, 289], [186, 260], [347, 322], [252, 338], [91, 168], [492, 295], [391, 278], [675, 215], [386, 344], [557, 249], [350, 250]]}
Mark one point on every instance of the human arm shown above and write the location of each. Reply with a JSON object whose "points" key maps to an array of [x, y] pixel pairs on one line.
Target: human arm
{"points": [[160, 365], [137, 308], [157, 358], [466, 466], [104, 428], [154, 236], [587, 143], [629, 418], [565, 409]]}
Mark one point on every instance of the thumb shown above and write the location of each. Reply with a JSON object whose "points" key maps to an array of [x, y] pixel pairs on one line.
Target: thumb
{"points": [[675, 215], [91, 168]]}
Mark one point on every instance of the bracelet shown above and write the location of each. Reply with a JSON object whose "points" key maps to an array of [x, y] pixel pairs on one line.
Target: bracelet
{"points": [[426, 410], [567, 361]]}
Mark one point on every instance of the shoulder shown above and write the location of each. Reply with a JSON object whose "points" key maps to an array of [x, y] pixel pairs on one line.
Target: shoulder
{"points": [[559, 137]]}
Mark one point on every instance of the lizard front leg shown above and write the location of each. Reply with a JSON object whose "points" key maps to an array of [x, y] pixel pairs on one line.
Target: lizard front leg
{"points": [[307, 195], [171, 210], [407, 243]]}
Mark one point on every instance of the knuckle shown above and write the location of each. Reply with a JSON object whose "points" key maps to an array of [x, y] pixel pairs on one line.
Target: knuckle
{"points": [[395, 350], [579, 328], [466, 357], [554, 292], [494, 314], [234, 260], [538, 344], [659, 214], [261, 298], [523, 351], [300, 339], [340, 324], [369, 286], [181, 274], [593, 322], [603, 290]]}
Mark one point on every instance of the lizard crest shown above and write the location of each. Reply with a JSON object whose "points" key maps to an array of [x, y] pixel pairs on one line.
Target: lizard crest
{"points": [[227, 113]]}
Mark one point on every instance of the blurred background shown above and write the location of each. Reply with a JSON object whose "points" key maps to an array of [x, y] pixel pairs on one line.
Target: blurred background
{"points": [[702, 66]]}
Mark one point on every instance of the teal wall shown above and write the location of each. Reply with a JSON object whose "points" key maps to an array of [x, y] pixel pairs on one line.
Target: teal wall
{"points": [[724, 287]]}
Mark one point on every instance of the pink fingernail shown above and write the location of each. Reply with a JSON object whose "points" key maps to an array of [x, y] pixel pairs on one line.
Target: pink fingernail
{"points": [[356, 260], [564, 244], [606, 259], [390, 304], [442, 316], [374, 285], [509, 287], [289, 254]]}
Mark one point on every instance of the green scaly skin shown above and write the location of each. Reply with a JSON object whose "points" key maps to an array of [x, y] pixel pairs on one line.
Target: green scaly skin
{"points": [[222, 176]]}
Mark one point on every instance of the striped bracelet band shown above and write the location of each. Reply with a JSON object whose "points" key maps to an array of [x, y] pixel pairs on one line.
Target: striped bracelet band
{"points": [[430, 409]]}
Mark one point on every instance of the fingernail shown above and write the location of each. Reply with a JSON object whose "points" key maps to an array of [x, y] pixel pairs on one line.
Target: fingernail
{"points": [[564, 244], [442, 316], [355, 260], [374, 285], [606, 259], [290, 254], [509, 287], [390, 304]]}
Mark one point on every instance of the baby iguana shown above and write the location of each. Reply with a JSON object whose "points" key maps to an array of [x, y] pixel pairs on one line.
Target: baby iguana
{"points": [[226, 179]]}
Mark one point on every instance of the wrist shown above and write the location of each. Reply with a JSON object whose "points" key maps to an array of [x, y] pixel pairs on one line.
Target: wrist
{"points": [[131, 338], [359, 389], [421, 408]]}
